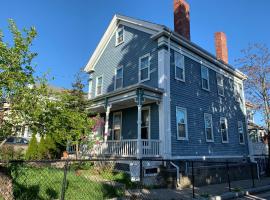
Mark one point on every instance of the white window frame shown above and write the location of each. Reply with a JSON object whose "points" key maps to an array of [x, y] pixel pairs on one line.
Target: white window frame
{"points": [[182, 66], [227, 134], [90, 88], [117, 35], [186, 123], [97, 85], [116, 113], [205, 128], [220, 85], [115, 80], [242, 125], [148, 67], [208, 82]]}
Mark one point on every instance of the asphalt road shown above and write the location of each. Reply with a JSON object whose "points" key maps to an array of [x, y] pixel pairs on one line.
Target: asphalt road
{"points": [[261, 196]]}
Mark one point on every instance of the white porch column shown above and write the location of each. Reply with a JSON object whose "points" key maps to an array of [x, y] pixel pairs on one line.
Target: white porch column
{"points": [[139, 131], [108, 108]]}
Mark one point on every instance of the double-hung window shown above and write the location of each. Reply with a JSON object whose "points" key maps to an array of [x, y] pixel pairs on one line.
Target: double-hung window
{"points": [[220, 85], [144, 68], [99, 82], [241, 132], [179, 66], [224, 130], [90, 87], [208, 125], [117, 125], [181, 123], [118, 78], [205, 78], [119, 35]]}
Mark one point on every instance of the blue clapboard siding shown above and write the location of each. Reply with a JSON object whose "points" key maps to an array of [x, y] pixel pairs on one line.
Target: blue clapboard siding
{"points": [[197, 101], [129, 122], [127, 54]]}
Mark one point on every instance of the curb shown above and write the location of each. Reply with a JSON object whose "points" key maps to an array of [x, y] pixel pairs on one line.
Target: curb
{"points": [[232, 195]]}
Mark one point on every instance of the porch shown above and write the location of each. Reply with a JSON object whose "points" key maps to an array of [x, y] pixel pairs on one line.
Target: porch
{"points": [[131, 127]]}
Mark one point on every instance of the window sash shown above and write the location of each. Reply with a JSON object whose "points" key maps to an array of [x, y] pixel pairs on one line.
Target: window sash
{"points": [[224, 131], [99, 83], [179, 66], [208, 124], [205, 77], [181, 123], [119, 35], [118, 78], [241, 132], [117, 126], [220, 84], [90, 88], [144, 68]]}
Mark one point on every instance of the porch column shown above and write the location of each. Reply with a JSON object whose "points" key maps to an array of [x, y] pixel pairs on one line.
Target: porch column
{"points": [[139, 101], [106, 132]]}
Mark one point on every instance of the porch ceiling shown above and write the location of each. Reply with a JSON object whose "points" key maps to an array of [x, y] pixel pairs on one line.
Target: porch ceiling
{"points": [[125, 98]]}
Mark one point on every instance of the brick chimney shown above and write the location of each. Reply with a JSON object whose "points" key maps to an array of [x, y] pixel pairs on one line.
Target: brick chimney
{"points": [[181, 18], [221, 46]]}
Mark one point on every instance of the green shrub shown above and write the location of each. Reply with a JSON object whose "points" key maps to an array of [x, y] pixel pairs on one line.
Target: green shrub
{"points": [[46, 148], [32, 151], [9, 153]]}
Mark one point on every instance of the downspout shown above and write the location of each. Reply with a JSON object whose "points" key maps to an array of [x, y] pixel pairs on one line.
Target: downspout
{"points": [[177, 173]]}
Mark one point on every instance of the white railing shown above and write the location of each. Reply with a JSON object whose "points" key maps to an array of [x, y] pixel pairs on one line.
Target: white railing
{"points": [[259, 148], [126, 148]]}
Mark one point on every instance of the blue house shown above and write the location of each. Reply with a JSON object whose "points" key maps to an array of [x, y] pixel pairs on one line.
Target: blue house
{"points": [[163, 96]]}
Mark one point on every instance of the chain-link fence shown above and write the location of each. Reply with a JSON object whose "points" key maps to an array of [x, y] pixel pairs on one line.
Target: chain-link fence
{"points": [[123, 179]]}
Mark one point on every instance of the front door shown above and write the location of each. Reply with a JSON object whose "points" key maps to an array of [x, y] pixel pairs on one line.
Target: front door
{"points": [[145, 128]]}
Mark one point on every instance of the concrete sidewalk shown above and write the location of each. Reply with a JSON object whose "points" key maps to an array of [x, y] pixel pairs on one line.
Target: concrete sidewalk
{"points": [[200, 192]]}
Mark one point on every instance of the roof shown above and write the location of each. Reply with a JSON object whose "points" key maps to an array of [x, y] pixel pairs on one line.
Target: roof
{"points": [[156, 30]]}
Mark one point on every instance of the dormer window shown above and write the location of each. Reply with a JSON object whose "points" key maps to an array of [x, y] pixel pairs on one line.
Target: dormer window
{"points": [[119, 35]]}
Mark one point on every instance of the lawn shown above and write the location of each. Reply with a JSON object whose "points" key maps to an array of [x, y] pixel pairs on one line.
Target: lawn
{"points": [[33, 183]]}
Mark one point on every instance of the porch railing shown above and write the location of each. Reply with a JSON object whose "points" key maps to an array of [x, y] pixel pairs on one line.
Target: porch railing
{"points": [[128, 148]]}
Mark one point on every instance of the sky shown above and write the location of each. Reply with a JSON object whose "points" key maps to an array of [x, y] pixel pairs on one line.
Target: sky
{"points": [[69, 30]]}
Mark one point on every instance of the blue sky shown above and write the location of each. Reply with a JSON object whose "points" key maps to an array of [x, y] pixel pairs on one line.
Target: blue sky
{"points": [[69, 30]]}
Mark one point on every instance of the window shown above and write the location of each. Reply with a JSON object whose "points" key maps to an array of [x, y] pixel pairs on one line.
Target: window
{"points": [[208, 125], [144, 71], [224, 130], [220, 85], [181, 123], [90, 88], [99, 83], [238, 89], [117, 125], [119, 36], [179, 66], [145, 126], [118, 78], [241, 132], [205, 77]]}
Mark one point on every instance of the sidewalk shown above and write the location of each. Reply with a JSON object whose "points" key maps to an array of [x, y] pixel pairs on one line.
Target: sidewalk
{"points": [[203, 191]]}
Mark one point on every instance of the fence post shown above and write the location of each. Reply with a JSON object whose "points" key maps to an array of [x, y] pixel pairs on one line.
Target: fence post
{"points": [[252, 175], [193, 180], [228, 176], [64, 181], [141, 173]]}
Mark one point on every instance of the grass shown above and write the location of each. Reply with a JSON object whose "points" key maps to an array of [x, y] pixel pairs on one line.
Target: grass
{"points": [[34, 183]]}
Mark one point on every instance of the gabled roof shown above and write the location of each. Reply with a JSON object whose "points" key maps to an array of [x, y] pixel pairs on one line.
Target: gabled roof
{"points": [[157, 31]]}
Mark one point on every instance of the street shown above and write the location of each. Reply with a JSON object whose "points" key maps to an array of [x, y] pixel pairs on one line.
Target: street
{"points": [[261, 196]]}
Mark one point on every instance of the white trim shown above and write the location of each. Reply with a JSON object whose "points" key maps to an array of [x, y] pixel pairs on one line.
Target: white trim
{"points": [[208, 82], [220, 85], [182, 66], [226, 124], [115, 79], [241, 133], [205, 132], [186, 123], [96, 94], [149, 126], [116, 113], [148, 67], [117, 35]]}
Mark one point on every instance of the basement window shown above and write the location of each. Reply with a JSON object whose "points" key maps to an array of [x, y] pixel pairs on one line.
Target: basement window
{"points": [[151, 171]]}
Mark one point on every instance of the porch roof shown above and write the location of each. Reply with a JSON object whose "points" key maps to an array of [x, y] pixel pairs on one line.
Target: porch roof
{"points": [[125, 97]]}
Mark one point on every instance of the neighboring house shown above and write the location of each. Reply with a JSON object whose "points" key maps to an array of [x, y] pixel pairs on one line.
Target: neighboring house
{"points": [[256, 133], [163, 96]]}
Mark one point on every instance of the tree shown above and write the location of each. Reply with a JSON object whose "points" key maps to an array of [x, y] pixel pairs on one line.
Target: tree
{"points": [[32, 153], [255, 63]]}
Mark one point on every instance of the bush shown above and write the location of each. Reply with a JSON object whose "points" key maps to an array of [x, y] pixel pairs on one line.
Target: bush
{"points": [[32, 151], [46, 148], [9, 153]]}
